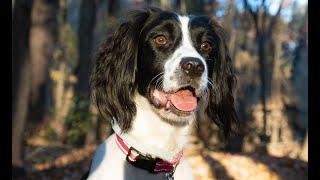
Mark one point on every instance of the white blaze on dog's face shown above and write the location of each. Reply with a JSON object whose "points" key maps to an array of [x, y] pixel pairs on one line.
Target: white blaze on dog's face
{"points": [[185, 50], [173, 79]]}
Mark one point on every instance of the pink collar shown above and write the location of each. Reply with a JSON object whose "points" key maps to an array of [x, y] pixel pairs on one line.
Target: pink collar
{"points": [[153, 165]]}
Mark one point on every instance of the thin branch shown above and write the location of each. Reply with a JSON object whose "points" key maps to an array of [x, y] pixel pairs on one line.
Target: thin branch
{"points": [[253, 14], [249, 8], [275, 17], [264, 17], [262, 3]]}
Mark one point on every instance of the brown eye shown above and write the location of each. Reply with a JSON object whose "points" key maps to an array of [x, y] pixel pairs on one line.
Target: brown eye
{"points": [[206, 47], [160, 40]]}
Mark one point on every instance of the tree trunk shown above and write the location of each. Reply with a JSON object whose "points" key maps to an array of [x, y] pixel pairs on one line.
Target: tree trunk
{"points": [[304, 151], [92, 135], [43, 38], [262, 75], [20, 113], [230, 29], [228, 20], [86, 30], [300, 75], [20, 40], [194, 7], [264, 26], [62, 94], [113, 6], [165, 4], [183, 8], [275, 103], [21, 67]]}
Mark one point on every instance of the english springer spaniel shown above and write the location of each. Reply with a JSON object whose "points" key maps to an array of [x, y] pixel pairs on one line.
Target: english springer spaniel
{"points": [[151, 78]]}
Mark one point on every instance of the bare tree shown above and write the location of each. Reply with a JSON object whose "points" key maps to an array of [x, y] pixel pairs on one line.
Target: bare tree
{"points": [[229, 26], [21, 70], [112, 7], [165, 4], [277, 105], [194, 7], [298, 79], [86, 29], [264, 26], [61, 74], [300, 71], [85, 34], [43, 38]]}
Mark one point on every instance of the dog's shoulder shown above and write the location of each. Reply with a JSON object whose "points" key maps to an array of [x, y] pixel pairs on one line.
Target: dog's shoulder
{"points": [[184, 170], [107, 159]]}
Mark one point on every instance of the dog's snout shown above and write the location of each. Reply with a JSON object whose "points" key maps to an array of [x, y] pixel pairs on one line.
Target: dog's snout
{"points": [[192, 66]]}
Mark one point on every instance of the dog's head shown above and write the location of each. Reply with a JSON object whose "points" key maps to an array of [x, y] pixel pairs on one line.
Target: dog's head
{"points": [[177, 62]]}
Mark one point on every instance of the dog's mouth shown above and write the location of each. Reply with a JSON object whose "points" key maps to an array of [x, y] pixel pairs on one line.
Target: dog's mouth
{"points": [[183, 101]]}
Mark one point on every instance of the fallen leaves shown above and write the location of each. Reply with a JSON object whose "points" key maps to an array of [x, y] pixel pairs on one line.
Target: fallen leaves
{"points": [[71, 163]]}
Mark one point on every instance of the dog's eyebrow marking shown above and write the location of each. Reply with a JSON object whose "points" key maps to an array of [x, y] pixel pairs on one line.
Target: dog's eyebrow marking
{"points": [[186, 40]]}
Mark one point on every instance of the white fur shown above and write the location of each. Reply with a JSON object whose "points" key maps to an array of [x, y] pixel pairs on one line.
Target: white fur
{"points": [[109, 163], [149, 134], [152, 131], [186, 49]]}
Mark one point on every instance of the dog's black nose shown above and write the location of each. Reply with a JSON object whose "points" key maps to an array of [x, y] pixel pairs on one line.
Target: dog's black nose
{"points": [[192, 66]]}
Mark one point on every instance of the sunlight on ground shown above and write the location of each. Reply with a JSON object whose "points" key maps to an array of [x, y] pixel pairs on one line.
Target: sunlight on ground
{"points": [[66, 162]]}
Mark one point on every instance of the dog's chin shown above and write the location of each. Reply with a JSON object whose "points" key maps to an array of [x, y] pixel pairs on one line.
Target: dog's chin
{"points": [[169, 112], [174, 116]]}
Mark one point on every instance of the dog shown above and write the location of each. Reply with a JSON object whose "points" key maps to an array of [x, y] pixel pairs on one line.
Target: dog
{"points": [[151, 78]]}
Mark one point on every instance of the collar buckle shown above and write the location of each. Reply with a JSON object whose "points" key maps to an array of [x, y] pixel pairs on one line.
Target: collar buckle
{"points": [[132, 155], [169, 175], [147, 162]]}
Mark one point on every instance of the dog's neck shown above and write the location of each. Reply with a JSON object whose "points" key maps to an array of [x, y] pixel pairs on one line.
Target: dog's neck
{"points": [[151, 133]]}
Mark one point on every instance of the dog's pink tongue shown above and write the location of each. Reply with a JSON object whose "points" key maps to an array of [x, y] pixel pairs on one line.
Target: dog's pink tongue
{"points": [[184, 100]]}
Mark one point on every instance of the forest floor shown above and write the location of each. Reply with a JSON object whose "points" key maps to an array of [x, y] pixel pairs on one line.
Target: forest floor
{"points": [[63, 162]]}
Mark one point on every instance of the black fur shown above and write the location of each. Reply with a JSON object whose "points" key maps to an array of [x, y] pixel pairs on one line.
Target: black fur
{"points": [[113, 78], [221, 104], [126, 63]]}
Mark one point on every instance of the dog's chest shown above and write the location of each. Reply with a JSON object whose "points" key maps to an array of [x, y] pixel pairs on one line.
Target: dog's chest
{"points": [[109, 163]]}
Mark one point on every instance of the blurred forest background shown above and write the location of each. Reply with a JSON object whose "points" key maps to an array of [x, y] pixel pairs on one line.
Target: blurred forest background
{"points": [[55, 128]]}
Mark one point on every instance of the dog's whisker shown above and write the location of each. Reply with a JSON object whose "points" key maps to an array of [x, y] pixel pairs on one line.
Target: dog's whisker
{"points": [[155, 78], [159, 83]]}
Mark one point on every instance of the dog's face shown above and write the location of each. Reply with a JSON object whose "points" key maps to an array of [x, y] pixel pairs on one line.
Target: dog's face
{"points": [[177, 62], [174, 56]]}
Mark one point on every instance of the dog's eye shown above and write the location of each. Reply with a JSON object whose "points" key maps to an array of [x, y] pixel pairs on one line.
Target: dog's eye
{"points": [[160, 40], [205, 47]]}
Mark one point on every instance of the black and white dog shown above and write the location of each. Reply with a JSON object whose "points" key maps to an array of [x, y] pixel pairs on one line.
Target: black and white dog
{"points": [[151, 78]]}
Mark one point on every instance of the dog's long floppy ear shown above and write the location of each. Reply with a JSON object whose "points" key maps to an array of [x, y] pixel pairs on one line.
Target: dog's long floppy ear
{"points": [[113, 77], [221, 104]]}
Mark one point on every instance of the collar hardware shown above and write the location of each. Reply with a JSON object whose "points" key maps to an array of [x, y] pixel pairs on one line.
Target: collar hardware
{"points": [[146, 162]]}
